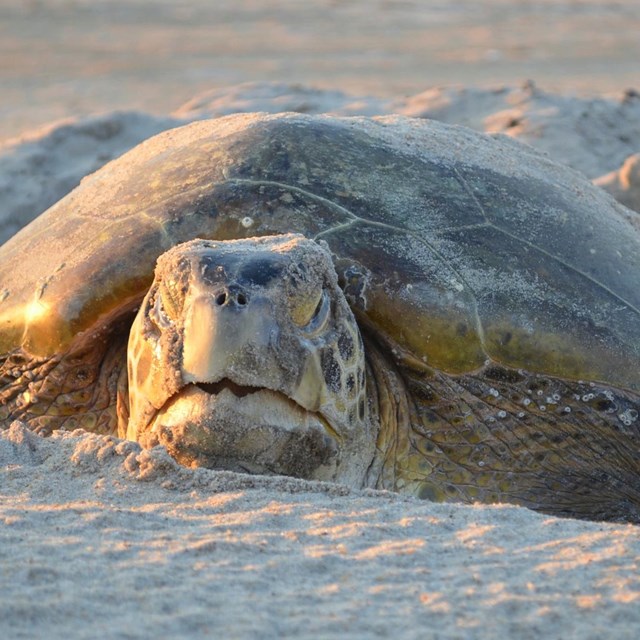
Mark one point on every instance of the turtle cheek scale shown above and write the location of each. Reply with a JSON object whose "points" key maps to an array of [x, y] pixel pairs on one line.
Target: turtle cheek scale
{"points": [[258, 367]]}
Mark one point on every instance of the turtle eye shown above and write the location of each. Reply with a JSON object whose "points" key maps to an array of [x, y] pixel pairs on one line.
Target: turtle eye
{"points": [[171, 297], [312, 316], [157, 314], [302, 307]]}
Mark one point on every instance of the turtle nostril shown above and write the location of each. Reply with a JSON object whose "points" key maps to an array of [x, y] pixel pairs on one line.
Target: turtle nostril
{"points": [[231, 297]]}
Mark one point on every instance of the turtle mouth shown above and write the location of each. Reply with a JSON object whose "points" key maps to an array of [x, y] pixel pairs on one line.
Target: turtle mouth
{"points": [[226, 425], [214, 388]]}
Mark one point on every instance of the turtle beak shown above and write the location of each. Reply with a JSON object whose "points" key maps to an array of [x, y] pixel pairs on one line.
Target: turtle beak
{"points": [[222, 328]]}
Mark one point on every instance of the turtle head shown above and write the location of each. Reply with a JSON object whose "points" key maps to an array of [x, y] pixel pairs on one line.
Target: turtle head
{"points": [[245, 355]]}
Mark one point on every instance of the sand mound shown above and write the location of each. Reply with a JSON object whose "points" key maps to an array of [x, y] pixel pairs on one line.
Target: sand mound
{"points": [[624, 183], [102, 538]]}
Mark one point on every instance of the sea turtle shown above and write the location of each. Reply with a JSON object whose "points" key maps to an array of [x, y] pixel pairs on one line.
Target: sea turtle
{"points": [[389, 302]]}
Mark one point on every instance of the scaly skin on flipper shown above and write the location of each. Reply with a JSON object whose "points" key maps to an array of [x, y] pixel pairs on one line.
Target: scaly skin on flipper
{"points": [[496, 294], [499, 435]]}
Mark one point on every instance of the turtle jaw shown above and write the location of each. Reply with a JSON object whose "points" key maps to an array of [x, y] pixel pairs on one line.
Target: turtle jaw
{"points": [[248, 429]]}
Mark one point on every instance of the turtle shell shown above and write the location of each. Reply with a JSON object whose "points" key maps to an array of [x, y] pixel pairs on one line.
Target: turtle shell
{"points": [[453, 247]]}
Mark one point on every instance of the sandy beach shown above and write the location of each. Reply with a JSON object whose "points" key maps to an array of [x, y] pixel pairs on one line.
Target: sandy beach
{"points": [[61, 58], [99, 538]]}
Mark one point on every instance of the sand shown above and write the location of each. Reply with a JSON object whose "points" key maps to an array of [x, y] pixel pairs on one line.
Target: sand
{"points": [[101, 539], [80, 57]]}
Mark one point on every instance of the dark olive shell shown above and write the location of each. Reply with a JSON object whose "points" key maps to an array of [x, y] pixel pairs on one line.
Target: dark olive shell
{"points": [[453, 247]]}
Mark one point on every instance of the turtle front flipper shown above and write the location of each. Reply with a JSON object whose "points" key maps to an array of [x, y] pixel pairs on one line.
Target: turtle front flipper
{"points": [[72, 390], [558, 446]]}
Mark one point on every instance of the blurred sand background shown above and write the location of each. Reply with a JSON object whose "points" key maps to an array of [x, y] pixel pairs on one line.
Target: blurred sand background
{"points": [[101, 539], [61, 58]]}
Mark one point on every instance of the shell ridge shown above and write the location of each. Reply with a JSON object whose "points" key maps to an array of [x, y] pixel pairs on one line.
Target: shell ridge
{"points": [[569, 266], [294, 189], [467, 187], [340, 227], [555, 258]]}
